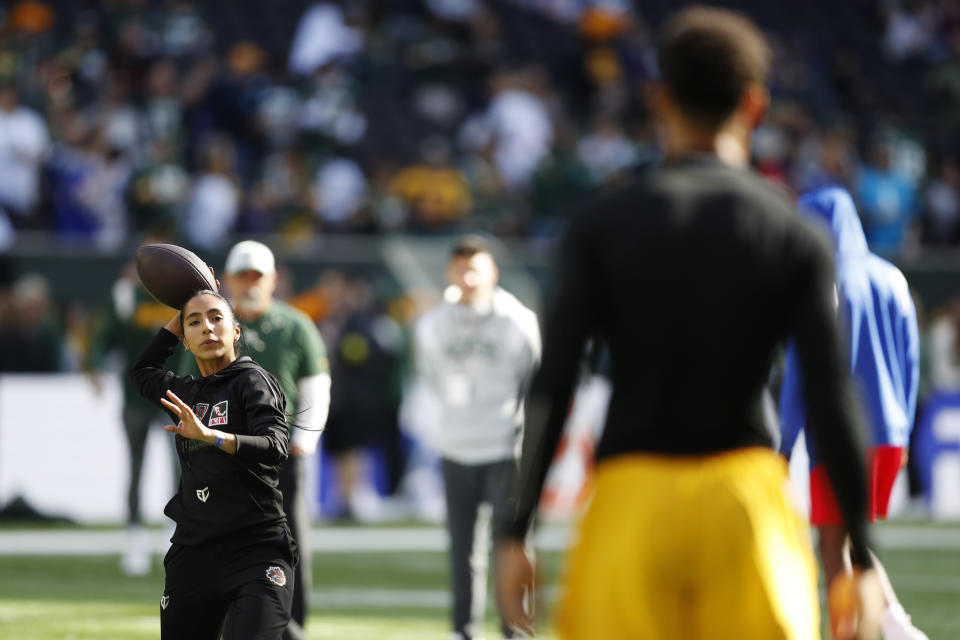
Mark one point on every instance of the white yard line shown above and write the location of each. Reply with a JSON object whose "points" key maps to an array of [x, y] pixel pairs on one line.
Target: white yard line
{"points": [[550, 537]]}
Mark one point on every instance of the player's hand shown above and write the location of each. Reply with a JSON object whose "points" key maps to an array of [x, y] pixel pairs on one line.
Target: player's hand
{"points": [[173, 326], [515, 580], [214, 277], [189, 426], [855, 604], [297, 450]]}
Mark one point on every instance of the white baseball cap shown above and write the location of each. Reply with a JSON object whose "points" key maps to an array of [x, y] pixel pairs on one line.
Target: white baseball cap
{"points": [[250, 255]]}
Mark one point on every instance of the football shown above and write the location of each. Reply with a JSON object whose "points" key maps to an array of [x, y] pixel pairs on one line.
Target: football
{"points": [[172, 274]]}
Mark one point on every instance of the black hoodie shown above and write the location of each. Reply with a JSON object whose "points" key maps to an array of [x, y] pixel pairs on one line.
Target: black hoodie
{"points": [[222, 494]]}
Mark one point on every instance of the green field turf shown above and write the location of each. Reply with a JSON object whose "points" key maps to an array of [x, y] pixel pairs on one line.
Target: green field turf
{"points": [[371, 595]]}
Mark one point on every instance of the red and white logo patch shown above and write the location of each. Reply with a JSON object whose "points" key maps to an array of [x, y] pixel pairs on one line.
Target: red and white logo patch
{"points": [[219, 414], [276, 576], [201, 409]]}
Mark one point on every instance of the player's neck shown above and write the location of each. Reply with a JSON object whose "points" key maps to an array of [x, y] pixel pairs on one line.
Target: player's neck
{"points": [[729, 143], [213, 365]]}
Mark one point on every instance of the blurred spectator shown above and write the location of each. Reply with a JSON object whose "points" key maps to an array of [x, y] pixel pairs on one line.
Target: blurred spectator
{"points": [[321, 37], [434, 193], [24, 142], [942, 211], [330, 114], [516, 123], [280, 197], [605, 150], [212, 207], [88, 179], [157, 189], [182, 29], [367, 366], [910, 29], [31, 339], [8, 234], [560, 183], [163, 111], [339, 192], [887, 201]]}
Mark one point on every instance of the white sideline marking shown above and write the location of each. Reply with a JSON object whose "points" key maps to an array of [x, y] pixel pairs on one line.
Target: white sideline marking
{"points": [[550, 537], [361, 598]]}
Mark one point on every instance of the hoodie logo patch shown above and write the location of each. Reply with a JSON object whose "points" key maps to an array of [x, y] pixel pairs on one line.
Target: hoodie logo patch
{"points": [[276, 576], [203, 494], [219, 414], [201, 409], [164, 601]]}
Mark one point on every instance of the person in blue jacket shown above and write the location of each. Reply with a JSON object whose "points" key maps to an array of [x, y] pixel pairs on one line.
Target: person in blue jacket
{"points": [[879, 320]]}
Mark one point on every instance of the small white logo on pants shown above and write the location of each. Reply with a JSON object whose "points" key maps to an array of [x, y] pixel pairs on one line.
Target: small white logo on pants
{"points": [[276, 576], [164, 601], [203, 494]]}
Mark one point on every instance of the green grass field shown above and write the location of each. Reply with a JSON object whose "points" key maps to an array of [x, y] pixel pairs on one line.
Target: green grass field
{"points": [[369, 595]]}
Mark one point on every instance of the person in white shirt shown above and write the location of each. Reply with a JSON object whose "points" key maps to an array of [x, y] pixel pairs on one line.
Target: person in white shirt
{"points": [[24, 142], [475, 353]]}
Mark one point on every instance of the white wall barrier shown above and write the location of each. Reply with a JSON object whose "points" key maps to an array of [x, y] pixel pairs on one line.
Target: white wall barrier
{"points": [[63, 449]]}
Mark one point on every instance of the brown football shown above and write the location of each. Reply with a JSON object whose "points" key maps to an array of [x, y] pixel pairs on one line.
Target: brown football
{"points": [[172, 274]]}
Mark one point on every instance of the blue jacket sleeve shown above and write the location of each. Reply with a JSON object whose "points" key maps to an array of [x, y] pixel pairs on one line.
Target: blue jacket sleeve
{"points": [[793, 411], [912, 373]]}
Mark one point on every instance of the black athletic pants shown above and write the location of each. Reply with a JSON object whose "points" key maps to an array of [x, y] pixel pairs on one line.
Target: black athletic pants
{"points": [[467, 486], [238, 588]]}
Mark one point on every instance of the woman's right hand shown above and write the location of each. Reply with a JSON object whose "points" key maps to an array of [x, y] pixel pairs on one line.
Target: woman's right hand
{"points": [[173, 326]]}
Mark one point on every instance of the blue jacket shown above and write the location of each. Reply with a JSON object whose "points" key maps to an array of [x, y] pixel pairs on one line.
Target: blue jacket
{"points": [[879, 321]]}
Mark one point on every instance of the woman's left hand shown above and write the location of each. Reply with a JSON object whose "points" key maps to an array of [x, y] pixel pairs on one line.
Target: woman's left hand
{"points": [[190, 426]]}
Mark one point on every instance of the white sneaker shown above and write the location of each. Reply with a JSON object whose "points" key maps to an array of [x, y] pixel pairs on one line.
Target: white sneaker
{"points": [[366, 505], [896, 625], [136, 558]]}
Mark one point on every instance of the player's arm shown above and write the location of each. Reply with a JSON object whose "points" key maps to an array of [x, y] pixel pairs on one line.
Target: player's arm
{"points": [[835, 419], [569, 320], [313, 391], [264, 408], [149, 375]]}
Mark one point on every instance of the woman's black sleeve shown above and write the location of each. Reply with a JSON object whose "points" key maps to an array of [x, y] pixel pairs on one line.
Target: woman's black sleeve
{"points": [[264, 408], [148, 374]]}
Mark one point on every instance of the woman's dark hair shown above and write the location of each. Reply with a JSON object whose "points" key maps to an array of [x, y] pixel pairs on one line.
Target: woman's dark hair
{"points": [[708, 57], [239, 343]]}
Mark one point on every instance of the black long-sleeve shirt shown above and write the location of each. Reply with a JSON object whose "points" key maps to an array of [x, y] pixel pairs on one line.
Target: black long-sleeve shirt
{"points": [[222, 494], [692, 274]]}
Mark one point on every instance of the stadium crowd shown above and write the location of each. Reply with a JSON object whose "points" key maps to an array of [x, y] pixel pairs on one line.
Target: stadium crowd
{"points": [[206, 121]]}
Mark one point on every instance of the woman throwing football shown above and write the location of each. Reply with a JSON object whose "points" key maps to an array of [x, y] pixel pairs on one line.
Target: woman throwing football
{"points": [[232, 554]]}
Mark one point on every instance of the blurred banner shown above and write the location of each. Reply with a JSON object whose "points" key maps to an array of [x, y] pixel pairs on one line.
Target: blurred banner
{"points": [[937, 449]]}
